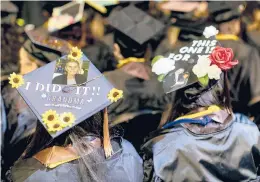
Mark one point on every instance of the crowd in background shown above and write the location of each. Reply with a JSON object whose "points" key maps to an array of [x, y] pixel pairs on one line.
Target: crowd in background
{"points": [[145, 105]]}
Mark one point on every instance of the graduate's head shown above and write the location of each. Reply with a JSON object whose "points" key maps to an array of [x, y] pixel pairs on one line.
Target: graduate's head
{"points": [[196, 77], [135, 30], [42, 139], [227, 15], [196, 96], [72, 67]]}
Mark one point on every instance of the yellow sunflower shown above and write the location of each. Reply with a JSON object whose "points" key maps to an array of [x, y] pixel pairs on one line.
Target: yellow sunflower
{"points": [[75, 53], [114, 95], [16, 80], [50, 116], [67, 119], [55, 126]]}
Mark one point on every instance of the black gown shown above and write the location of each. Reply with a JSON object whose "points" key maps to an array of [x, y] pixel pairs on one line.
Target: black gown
{"points": [[245, 78]]}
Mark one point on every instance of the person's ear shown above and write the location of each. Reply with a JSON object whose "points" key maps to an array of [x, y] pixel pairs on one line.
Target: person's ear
{"points": [[117, 52]]}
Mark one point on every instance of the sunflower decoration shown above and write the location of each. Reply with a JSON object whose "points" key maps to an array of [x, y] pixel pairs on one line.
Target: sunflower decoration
{"points": [[55, 126], [16, 80], [49, 117], [114, 95], [75, 54], [67, 119]]}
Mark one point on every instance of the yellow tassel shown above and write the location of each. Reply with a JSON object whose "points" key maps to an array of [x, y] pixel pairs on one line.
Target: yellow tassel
{"points": [[107, 144]]}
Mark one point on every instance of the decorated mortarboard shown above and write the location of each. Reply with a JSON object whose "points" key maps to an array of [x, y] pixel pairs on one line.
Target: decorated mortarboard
{"points": [[65, 92], [64, 16], [223, 11], [200, 61], [135, 24], [43, 40]]}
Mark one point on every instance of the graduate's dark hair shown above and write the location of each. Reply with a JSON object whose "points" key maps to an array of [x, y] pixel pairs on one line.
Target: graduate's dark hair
{"points": [[41, 138], [195, 96]]}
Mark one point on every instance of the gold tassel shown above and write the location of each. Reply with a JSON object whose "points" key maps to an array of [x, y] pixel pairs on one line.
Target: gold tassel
{"points": [[107, 145]]}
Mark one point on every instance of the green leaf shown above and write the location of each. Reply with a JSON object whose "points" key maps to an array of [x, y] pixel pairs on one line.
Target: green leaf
{"points": [[204, 81], [156, 58], [161, 77]]}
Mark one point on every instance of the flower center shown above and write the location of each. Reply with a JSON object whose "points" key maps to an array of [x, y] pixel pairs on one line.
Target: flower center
{"points": [[74, 54], [50, 117], [56, 125], [115, 94], [66, 119], [16, 80]]}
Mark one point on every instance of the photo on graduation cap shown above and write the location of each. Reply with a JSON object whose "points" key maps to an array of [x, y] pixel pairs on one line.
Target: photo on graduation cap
{"points": [[66, 15], [71, 69]]}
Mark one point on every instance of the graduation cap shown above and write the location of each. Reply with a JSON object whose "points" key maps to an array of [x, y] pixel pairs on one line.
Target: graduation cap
{"points": [[134, 28], [182, 16], [64, 16], [8, 12], [45, 42], [65, 92], [190, 64], [223, 11]]}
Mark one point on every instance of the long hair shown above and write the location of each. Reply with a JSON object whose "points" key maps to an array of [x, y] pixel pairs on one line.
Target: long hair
{"points": [[76, 136], [41, 139], [196, 96]]}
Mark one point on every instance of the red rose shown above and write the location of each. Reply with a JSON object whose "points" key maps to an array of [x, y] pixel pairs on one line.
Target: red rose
{"points": [[223, 58]]}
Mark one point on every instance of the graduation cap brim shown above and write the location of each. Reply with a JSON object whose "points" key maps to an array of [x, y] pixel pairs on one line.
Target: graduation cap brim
{"points": [[182, 75], [219, 7], [135, 24], [83, 101]]}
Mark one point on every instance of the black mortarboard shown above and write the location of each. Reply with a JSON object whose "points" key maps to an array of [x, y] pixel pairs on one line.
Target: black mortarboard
{"points": [[183, 67], [182, 16], [223, 11], [134, 28]]}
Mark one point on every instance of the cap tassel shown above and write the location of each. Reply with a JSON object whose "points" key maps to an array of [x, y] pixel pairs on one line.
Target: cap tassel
{"points": [[107, 144]]}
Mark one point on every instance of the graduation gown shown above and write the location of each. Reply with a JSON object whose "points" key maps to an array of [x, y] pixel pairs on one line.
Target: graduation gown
{"points": [[19, 125], [253, 38], [141, 106], [215, 152], [124, 165]]}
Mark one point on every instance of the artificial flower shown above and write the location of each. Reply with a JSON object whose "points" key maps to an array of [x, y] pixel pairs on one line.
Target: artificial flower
{"points": [[50, 116], [67, 119], [115, 94], [201, 68], [16, 80], [223, 58], [163, 66], [214, 72], [75, 53], [210, 31], [55, 126]]}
